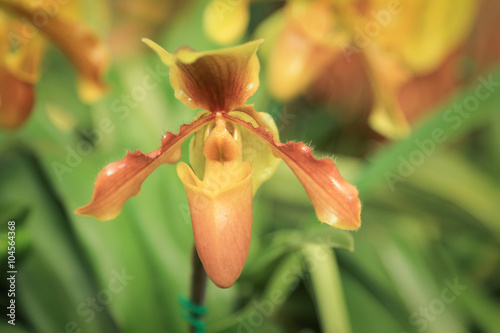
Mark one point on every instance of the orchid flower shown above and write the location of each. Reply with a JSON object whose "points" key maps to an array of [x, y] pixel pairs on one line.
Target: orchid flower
{"points": [[397, 42], [233, 150], [22, 46]]}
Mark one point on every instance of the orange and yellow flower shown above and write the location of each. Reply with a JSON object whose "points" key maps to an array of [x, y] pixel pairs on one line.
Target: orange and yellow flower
{"points": [[234, 150], [397, 40]]}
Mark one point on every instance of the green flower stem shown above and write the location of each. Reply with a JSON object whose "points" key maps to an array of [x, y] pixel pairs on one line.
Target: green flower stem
{"points": [[198, 288]]}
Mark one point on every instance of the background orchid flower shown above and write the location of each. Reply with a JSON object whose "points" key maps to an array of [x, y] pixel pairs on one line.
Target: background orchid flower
{"points": [[23, 47], [18, 74], [397, 41], [415, 39], [234, 149], [226, 21], [404, 41]]}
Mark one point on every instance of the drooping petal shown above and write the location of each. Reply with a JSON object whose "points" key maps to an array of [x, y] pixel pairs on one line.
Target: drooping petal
{"points": [[217, 80], [304, 46], [19, 72], [16, 99], [387, 77], [335, 201], [226, 21], [221, 215], [120, 180], [77, 42]]}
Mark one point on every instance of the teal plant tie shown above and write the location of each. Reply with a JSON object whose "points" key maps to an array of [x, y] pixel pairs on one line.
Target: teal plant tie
{"points": [[192, 313]]}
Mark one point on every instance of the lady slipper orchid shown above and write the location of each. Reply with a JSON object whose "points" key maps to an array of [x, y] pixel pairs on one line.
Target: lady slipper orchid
{"points": [[233, 150]]}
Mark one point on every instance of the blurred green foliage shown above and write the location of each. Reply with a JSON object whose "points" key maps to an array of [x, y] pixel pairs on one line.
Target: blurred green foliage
{"points": [[438, 226]]}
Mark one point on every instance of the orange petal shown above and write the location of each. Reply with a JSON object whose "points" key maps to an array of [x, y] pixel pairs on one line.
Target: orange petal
{"points": [[335, 201], [218, 80], [19, 72], [16, 99], [221, 215], [303, 48], [77, 42], [119, 181]]}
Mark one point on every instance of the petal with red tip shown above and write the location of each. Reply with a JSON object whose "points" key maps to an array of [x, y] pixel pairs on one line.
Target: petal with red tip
{"points": [[120, 180], [218, 80], [335, 200], [308, 40]]}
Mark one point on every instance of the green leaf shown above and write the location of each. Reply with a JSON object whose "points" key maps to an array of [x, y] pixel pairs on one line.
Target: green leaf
{"points": [[457, 180], [482, 307], [283, 281], [286, 241], [56, 264], [327, 286]]}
